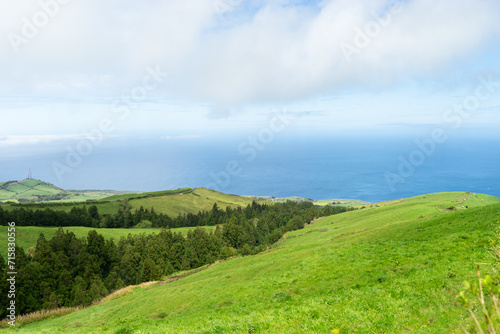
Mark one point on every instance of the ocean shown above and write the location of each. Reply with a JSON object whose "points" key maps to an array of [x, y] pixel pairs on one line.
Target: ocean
{"points": [[319, 167]]}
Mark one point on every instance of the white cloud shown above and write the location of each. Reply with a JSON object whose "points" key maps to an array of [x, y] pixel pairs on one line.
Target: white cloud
{"points": [[283, 54], [181, 137], [37, 139], [258, 52]]}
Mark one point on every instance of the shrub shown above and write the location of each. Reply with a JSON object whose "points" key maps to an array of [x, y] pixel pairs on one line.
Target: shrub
{"points": [[483, 306]]}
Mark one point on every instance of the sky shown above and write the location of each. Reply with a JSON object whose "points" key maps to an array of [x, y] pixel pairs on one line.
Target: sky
{"points": [[179, 70]]}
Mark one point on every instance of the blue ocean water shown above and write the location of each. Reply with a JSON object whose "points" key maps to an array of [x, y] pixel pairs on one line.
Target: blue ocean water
{"points": [[323, 167]]}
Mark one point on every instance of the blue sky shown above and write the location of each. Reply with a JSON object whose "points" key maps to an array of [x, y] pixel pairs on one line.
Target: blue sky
{"points": [[182, 69]]}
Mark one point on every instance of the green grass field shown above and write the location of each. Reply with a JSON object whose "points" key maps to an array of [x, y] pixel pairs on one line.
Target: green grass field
{"points": [[86, 195], [175, 203], [198, 200], [394, 267], [18, 188], [148, 194], [6, 193], [31, 182], [26, 189]]}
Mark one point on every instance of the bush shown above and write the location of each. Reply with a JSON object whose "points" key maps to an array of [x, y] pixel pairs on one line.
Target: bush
{"points": [[483, 306], [482, 298], [144, 224]]}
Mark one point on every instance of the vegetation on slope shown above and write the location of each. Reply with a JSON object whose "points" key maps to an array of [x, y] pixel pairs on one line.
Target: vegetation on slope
{"points": [[30, 190], [391, 268], [171, 203], [67, 271], [148, 194], [200, 199], [27, 236]]}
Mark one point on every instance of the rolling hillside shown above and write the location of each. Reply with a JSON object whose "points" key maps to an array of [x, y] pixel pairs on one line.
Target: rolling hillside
{"points": [[29, 189], [173, 203], [198, 199], [394, 267]]}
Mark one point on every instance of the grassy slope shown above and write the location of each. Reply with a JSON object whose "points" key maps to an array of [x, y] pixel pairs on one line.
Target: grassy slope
{"points": [[172, 204], [391, 268], [27, 236], [199, 199], [27, 189], [85, 195], [156, 193]]}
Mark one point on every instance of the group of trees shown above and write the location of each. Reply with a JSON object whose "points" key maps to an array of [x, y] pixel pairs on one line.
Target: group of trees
{"points": [[126, 218], [68, 271], [45, 198], [27, 217], [123, 218]]}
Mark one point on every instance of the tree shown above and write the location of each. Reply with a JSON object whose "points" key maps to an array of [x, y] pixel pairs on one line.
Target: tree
{"points": [[3, 264], [94, 215], [113, 281], [149, 271], [79, 292], [3, 220], [95, 247], [226, 252], [97, 290], [129, 265], [232, 232]]}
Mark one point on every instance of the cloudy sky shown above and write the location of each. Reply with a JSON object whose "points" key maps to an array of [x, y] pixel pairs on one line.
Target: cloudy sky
{"points": [[185, 69]]}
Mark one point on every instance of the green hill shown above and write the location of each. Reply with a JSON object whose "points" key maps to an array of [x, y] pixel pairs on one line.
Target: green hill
{"points": [[173, 202], [147, 194], [394, 267], [29, 190], [191, 202]]}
